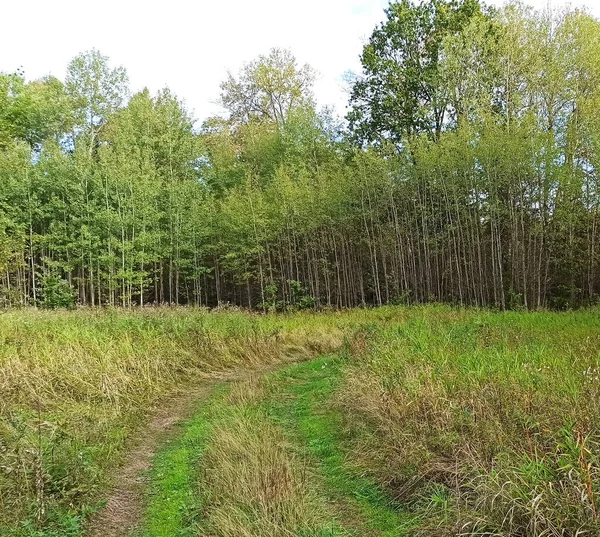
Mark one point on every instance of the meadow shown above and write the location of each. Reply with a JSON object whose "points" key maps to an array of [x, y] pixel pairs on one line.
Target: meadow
{"points": [[279, 322], [427, 420]]}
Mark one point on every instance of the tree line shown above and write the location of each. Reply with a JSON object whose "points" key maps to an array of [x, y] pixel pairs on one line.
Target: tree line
{"points": [[465, 172]]}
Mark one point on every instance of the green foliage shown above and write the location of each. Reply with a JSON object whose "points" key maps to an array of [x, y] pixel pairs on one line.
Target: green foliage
{"points": [[32, 112], [271, 303], [56, 292], [268, 88], [299, 297], [474, 181], [96, 89], [401, 93]]}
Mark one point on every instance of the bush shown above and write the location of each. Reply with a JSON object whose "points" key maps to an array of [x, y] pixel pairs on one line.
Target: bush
{"points": [[57, 293], [300, 299]]}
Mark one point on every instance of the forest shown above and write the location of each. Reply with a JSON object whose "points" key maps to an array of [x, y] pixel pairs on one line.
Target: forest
{"points": [[464, 172]]}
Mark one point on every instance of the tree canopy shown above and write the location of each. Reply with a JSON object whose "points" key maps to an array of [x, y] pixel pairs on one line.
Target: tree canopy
{"points": [[268, 88], [401, 93]]}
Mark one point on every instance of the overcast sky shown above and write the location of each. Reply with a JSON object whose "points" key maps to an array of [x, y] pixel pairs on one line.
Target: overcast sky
{"points": [[190, 45]]}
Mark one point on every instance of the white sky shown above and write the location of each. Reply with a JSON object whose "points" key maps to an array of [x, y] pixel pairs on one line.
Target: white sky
{"points": [[190, 45]]}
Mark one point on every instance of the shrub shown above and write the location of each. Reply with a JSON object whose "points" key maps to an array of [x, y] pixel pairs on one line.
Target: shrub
{"points": [[57, 293]]}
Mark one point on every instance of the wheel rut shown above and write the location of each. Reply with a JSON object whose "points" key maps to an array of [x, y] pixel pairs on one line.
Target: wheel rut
{"points": [[125, 503]]}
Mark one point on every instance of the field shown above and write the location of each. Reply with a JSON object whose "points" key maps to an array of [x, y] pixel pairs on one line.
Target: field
{"points": [[408, 421]]}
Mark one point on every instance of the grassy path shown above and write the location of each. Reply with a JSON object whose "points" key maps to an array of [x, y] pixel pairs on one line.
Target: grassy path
{"points": [[173, 501], [301, 405], [124, 507], [265, 457]]}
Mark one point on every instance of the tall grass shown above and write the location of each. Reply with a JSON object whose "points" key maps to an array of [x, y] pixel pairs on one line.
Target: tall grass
{"points": [[486, 423], [74, 385], [481, 423], [255, 485]]}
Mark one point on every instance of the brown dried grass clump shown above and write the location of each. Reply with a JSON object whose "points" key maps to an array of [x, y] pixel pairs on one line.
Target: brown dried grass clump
{"points": [[256, 486]]}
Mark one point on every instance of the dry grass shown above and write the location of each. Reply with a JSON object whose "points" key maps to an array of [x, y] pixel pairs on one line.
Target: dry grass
{"points": [[75, 385], [247, 392], [253, 482], [486, 423]]}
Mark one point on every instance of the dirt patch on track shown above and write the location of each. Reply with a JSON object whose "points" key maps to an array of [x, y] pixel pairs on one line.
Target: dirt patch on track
{"points": [[124, 507]]}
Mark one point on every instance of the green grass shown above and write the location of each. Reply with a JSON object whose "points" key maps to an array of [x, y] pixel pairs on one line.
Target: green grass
{"points": [[303, 404], [189, 496], [173, 500], [471, 420], [482, 422], [180, 495]]}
